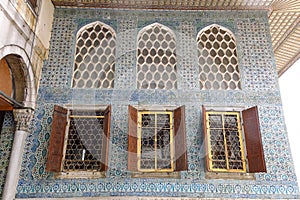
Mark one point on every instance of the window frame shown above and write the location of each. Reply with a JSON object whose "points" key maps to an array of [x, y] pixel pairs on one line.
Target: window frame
{"points": [[240, 133], [179, 138], [59, 138], [139, 148], [251, 141]]}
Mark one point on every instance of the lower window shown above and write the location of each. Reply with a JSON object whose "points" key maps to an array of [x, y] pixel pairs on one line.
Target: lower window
{"points": [[79, 142], [156, 140], [84, 141], [233, 141], [155, 144], [225, 142]]}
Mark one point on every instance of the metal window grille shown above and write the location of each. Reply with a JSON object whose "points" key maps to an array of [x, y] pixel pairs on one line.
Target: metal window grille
{"points": [[155, 141], [225, 142], [84, 141]]}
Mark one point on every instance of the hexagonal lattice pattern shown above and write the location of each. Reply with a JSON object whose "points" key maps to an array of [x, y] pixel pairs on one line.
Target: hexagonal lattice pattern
{"points": [[218, 64], [94, 65], [156, 60], [84, 144]]}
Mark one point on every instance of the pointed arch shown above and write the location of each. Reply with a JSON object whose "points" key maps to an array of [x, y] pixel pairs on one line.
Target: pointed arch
{"points": [[217, 59], [94, 63], [156, 58]]}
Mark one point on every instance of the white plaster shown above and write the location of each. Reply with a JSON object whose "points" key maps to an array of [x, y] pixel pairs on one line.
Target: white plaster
{"points": [[15, 29], [44, 24], [16, 37]]}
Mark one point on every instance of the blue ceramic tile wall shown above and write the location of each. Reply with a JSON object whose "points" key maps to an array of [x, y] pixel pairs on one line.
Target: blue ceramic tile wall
{"points": [[259, 87]]}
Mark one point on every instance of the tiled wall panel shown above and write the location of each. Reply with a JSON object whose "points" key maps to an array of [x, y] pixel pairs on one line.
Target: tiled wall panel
{"points": [[259, 87]]}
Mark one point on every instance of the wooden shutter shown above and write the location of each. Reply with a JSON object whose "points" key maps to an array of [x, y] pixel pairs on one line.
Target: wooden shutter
{"points": [[205, 138], [55, 152], [256, 161], [105, 144], [132, 138], [180, 139]]}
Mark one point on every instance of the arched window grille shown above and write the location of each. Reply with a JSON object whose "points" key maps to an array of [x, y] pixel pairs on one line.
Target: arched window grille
{"points": [[217, 58], [156, 58], [94, 65]]}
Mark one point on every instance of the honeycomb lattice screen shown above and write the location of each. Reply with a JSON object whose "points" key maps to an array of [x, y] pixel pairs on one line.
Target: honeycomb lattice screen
{"points": [[94, 65], [218, 63], [156, 58]]}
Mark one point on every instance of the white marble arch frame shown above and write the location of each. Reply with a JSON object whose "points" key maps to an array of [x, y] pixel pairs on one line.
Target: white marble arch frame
{"points": [[30, 87]]}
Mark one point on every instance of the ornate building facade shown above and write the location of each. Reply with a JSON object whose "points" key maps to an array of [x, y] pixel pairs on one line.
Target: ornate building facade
{"points": [[145, 104]]}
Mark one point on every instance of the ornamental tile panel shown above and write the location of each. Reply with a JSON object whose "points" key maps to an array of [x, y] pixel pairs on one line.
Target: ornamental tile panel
{"points": [[258, 87]]}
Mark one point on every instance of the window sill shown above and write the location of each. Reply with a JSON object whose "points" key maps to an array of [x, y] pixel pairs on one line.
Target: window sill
{"points": [[175, 175], [228, 175], [79, 174]]}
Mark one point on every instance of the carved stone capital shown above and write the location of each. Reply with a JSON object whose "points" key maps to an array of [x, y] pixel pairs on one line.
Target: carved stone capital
{"points": [[22, 119]]}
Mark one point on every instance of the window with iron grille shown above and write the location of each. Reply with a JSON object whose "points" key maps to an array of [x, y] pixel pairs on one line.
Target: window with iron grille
{"points": [[84, 141], [79, 140], [226, 152], [233, 141], [156, 140]]}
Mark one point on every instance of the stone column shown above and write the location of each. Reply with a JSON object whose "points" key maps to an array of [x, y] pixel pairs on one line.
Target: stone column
{"points": [[22, 120]]}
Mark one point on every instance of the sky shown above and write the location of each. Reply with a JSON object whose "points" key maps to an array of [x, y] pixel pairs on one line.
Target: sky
{"points": [[289, 82]]}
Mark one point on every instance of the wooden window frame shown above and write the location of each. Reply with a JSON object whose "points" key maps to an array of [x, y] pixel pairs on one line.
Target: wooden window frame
{"points": [[59, 137], [140, 135], [179, 138], [253, 147], [239, 131]]}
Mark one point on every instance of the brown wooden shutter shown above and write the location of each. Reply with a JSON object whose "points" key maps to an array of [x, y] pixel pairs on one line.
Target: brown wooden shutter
{"points": [[132, 138], [205, 138], [105, 145], [180, 139], [256, 161], [55, 152]]}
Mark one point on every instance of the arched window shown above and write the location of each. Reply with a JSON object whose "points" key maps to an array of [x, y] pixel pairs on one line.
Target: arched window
{"points": [[218, 63], [156, 58], [94, 65]]}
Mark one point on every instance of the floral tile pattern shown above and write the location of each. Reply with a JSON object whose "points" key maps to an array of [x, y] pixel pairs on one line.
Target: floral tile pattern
{"points": [[259, 87]]}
